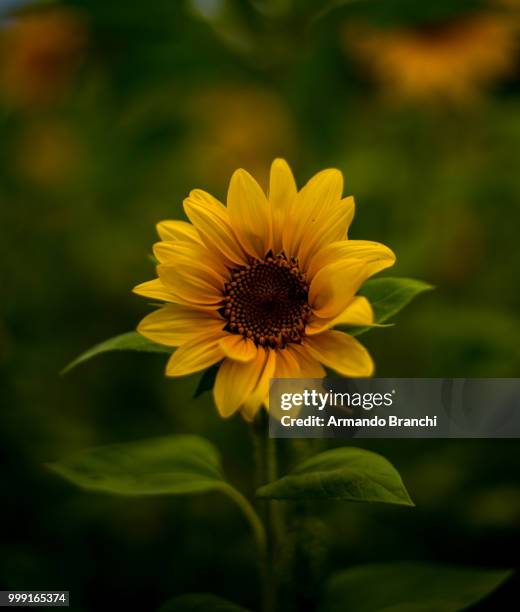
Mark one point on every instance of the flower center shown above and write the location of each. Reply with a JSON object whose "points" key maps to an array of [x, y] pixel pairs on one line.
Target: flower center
{"points": [[267, 301]]}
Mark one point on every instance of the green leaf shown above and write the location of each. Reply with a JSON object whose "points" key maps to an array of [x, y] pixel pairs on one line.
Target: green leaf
{"points": [[131, 341], [173, 465], [388, 296], [200, 602], [348, 473], [409, 587], [207, 380]]}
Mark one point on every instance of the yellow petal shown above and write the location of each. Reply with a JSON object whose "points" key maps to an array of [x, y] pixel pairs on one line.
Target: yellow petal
{"points": [[249, 214], [177, 252], [287, 365], [321, 193], [211, 219], [334, 286], [238, 348], [377, 256], [282, 363], [154, 289], [282, 192], [190, 284], [309, 366], [234, 382], [358, 312], [177, 230], [260, 393], [282, 186], [195, 355], [331, 225], [341, 352], [175, 324]]}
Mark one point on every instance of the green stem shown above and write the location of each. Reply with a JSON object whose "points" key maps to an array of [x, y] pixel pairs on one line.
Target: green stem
{"points": [[259, 453], [260, 536], [252, 517], [275, 508], [267, 471]]}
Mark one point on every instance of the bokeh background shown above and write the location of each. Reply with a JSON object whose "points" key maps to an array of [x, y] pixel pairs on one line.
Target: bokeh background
{"points": [[110, 112]]}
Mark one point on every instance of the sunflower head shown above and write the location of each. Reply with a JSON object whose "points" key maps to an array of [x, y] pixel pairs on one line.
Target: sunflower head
{"points": [[267, 301], [258, 286]]}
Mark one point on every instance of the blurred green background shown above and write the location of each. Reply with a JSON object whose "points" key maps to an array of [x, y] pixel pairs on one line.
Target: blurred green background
{"points": [[110, 112]]}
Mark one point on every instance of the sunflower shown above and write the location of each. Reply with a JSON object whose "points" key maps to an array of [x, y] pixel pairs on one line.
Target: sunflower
{"points": [[454, 60], [258, 286]]}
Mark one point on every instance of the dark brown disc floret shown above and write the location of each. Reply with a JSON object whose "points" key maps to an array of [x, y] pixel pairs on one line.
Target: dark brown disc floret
{"points": [[267, 301]]}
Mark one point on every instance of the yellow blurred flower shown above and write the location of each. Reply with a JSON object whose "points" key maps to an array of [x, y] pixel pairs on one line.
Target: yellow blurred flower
{"points": [[258, 285], [39, 54], [48, 152], [238, 126], [452, 61]]}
